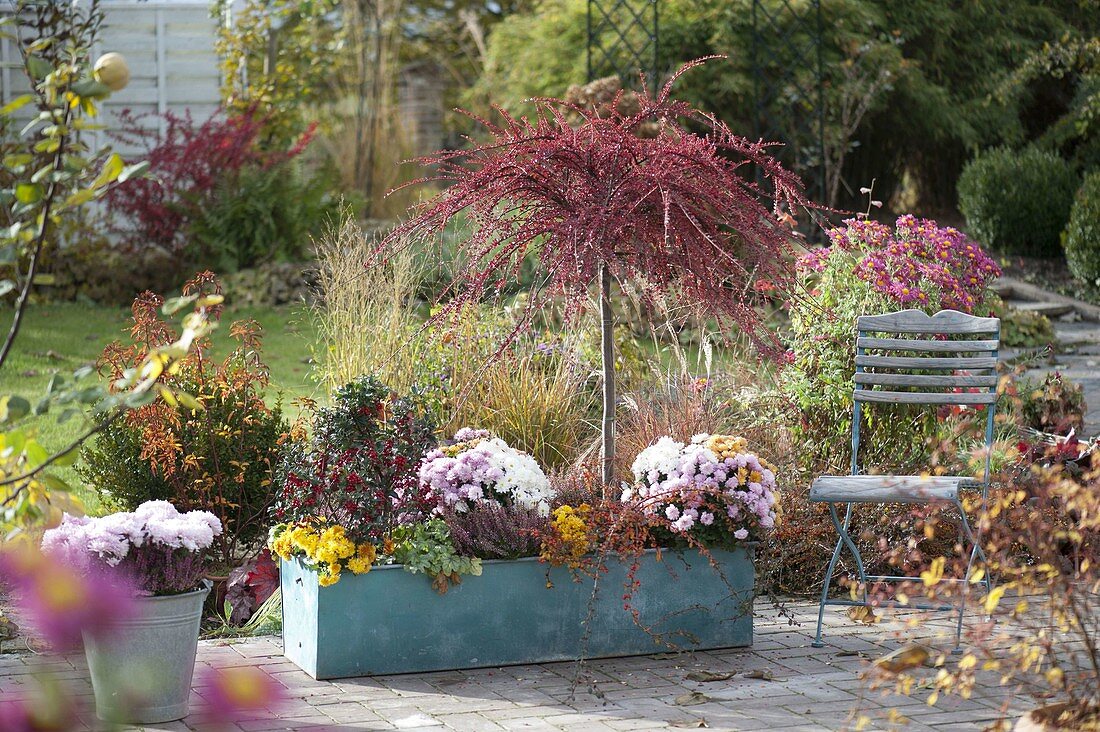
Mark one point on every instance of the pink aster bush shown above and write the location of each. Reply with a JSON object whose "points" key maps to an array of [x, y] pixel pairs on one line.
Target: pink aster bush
{"points": [[155, 548], [918, 263], [712, 489]]}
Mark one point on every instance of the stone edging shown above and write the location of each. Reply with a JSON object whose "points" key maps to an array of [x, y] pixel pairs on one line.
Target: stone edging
{"points": [[1012, 287]]}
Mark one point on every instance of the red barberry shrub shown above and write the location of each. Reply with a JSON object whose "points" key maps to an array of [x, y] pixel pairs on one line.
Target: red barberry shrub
{"points": [[194, 168]]}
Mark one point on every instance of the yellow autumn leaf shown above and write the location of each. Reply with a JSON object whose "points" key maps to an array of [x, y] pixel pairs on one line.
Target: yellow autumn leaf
{"points": [[932, 576], [863, 614], [903, 659], [993, 598]]}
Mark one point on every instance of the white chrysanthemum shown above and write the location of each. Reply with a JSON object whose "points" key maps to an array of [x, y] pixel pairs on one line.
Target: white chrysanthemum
{"points": [[492, 472], [660, 457]]}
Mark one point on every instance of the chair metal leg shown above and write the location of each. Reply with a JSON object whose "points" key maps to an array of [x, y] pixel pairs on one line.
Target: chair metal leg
{"points": [[825, 582], [843, 539], [975, 552], [842, 529]]}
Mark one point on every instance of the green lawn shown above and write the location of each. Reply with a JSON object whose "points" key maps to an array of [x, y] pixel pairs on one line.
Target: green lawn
{"points": [[64, 336]]}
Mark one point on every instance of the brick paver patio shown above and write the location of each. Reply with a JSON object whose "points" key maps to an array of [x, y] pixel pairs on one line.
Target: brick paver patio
{"points": [[781, 683]]}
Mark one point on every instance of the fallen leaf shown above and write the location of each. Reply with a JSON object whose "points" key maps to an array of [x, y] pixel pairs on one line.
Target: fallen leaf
{"points": [[846, 654], [690, 723], [762, 674], [692, 698], [903, 659], [863, 614], [710, 675]]}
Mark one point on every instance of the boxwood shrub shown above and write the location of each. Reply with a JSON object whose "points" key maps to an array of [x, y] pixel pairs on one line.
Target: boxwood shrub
{"points": [[1083, 232], [1017, 202]]}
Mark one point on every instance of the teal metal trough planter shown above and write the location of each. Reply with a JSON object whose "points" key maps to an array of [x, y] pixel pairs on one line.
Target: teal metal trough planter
{"points": [[389, 621]]}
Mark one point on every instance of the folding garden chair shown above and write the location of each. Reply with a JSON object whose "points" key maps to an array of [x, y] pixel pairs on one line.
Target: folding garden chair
{"points": [[963, 350]]}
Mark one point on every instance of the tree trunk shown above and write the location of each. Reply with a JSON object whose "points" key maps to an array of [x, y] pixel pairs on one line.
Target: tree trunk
{"points": [[607, 354]]}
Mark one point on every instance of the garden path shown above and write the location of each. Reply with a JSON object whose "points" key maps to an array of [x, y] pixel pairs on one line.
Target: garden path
{"points": [[781, 683], [1077, 328], [1078, 358]]}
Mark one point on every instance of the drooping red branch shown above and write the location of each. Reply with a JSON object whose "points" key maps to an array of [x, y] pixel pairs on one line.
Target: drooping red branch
{"points": [[676, 213]]}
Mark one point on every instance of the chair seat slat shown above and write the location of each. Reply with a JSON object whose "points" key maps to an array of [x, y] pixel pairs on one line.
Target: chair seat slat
{"points": [[923, 397], [925, 380], [887, 488], [927, 362], [917, 321], [905, 344]]}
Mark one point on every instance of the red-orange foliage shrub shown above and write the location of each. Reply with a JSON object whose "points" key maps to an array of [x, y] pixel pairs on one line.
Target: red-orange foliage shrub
{"points": [[218, 457]]}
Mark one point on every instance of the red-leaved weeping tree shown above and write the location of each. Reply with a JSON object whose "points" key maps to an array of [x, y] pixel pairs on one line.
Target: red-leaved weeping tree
{"points": [[675, 214]]}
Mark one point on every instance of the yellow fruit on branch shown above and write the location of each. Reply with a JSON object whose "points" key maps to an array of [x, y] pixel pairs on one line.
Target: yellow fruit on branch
{"points": [[111, 71]]}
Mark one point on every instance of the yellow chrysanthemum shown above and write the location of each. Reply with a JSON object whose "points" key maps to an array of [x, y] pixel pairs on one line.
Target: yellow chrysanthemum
{"points": [[358, 566], [725, 446], [570, 525], [282, 546], [330, 576]]}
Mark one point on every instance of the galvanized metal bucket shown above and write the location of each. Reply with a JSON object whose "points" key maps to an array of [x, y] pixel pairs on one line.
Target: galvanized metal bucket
{"points": [[141, 673]]}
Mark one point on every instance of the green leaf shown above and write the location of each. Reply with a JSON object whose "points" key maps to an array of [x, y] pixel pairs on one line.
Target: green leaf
{"points": [[112, 168], [49, 145], [17, 160], [188, 401], [67, 414], [56, 382], [54, 483], [68, 458], [79, 198], [13, 407], [132, 171], [14, 440], [35, 454], [29, 192], [91, 89], [41, 173], [14, 104], [42, 407], [44, 279], [38, 68], [140, 399], [6, 286]]}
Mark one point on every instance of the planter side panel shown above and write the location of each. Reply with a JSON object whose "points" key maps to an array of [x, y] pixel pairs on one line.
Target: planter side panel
{"points": [[300, 593], [389, 621], [683, 602]]}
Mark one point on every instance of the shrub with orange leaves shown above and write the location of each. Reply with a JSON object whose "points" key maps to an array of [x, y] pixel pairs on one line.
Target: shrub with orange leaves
{"points": [[214, 450]]}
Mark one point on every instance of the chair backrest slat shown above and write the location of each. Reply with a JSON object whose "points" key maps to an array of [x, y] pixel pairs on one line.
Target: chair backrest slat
{"points": [[927, 362], [954, 380], [905, 344], [924, 397], [945, 322]]}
